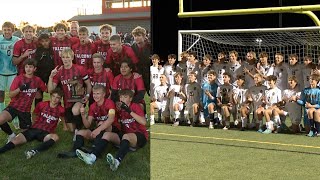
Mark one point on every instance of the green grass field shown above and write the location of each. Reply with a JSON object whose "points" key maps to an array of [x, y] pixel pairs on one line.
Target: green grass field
{"points": [[201, 153], [46, 165]]}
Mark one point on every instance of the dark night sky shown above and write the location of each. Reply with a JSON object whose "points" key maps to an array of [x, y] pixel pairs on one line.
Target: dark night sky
{"points": [[165, 30]]}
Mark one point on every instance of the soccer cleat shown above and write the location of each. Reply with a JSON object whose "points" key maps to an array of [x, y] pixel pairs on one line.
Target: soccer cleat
{"points": [[242, 129], [260, 131], [152, 122], [176, 123], [311, 134], [226, 128], [86, 157], [114, 163], [10, 137], [267, 131], [188, 122], [211, 125], [29, 154]]}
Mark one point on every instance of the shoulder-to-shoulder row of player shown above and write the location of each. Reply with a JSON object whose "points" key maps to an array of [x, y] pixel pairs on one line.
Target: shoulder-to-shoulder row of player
{"points": [[52, 59], [266, 90]]}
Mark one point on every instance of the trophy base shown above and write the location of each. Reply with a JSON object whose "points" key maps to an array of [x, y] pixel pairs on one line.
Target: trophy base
{"points": [[78, 99]]}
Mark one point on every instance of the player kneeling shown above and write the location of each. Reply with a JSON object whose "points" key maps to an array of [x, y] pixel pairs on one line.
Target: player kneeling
{"points": [[133, 129], [47, 117]]}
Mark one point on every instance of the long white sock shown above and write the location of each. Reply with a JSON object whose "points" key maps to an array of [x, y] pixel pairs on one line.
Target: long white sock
{"points": [[244, 121], [271, 125], [277, 120], [176, 114], [152, 117]]}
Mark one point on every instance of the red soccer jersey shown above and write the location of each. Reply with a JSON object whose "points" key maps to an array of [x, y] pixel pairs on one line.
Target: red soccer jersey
{"points": [[59, 45], [100, 113], [114, 60], [133, 83], [102, 48], [129, 124], [24, 99], [104, 78], [65, 75], [47, 117], [83, 54], [19, 48]]}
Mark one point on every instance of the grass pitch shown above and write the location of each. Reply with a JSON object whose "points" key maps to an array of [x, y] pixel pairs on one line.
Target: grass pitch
{"points": [[201, 153], [46, 165]]}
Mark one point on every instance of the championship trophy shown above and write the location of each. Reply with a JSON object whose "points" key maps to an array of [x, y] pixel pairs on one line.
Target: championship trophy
{"points": [[77, 90]]}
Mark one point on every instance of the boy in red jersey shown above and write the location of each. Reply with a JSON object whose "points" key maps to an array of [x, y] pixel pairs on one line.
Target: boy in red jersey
{"points": [[128, 80], [61, 41], [102, 111], [100, 75], [83, 51], [133, 129], [24, 48], [47, 117], [117, 53], [142, 48], [71, 76], [103, 45], [22, 92]]}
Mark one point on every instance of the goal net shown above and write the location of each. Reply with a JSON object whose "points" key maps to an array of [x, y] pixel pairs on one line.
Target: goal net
{"points": [[301, 41]]}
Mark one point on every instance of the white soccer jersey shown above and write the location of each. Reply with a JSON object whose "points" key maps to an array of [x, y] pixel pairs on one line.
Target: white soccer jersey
{"points": [[252, 69], [256, 92], [267, 71], [193, 93], [155, 73], [220, 69], [306, 73], [224, 93], [272, 96], [239, 95], [177, 98], [280, 71], [293, 108], [203, 74], [296, 70], [160, 93], [169, 72], [235, 70]]}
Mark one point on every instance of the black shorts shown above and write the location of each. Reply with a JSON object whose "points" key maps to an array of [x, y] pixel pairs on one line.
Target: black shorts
{"points": [[141, 139], [24, 117], [33, 133]]}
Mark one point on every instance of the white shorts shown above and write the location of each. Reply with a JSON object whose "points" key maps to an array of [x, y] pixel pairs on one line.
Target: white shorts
{"points": [[161, 105], [5, 82]]}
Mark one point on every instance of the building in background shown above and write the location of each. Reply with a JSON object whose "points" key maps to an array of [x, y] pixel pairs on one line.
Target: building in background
{"points": [[123, 15]]}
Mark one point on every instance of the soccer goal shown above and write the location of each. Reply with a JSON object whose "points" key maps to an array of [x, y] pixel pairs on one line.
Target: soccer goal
{"points": [[300, 40]]}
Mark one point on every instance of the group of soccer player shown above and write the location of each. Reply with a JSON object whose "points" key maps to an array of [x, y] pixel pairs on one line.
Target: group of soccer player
{"points": [[106, 75], [208, 92]]}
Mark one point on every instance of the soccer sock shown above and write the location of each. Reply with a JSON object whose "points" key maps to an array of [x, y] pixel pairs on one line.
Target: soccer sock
{"points": [[285, 113], [311, 124], [260, 124], [211, 117], [7, 147], [277, 120], [124, 148], [100, 145], [78, 143], [244, 121], [176, 115], [78, 121], [2, 106], [36, 101], [45, 145], [317, 125], [152, 117], [6, 128]]}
